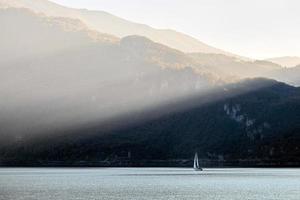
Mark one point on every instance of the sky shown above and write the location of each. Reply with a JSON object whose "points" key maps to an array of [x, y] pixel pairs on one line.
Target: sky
{"points": [[253, 28]]}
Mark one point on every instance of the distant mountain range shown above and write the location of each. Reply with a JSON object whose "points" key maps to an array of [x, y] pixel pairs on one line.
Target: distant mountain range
{"points": [[66, 71], [86, 85], [226, 66], [221, 63], [288, 75], [107, 23], [287, 61]]}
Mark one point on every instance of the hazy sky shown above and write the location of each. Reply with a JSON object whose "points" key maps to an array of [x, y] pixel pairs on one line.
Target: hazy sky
{"points": [[253, 28]]}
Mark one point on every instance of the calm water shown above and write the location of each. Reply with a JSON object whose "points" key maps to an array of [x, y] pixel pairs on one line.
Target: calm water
{"points": [[148, 184]]}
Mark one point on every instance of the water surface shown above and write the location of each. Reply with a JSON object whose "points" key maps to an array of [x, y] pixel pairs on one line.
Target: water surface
{"points": [[148, 184]]}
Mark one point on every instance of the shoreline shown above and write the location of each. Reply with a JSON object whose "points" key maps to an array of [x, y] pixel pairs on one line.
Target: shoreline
{"points": [[155, 164]]}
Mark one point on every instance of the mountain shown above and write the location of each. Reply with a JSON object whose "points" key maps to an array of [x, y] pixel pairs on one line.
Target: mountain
{"points": [[219, 63], [227, 66], [56, 73], [288, 61], [288, 75], [107, 23], [70, 93], [26, 35], [254, 122]]}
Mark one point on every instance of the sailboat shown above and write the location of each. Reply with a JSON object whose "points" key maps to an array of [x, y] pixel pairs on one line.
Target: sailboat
{"points": [[196, 163]]}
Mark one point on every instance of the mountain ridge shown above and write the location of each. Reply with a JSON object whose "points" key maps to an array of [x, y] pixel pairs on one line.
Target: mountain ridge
{"points": [[286, 61], [289, 75], [71, 94], [66, 74], [242, 127], [118, 27]]}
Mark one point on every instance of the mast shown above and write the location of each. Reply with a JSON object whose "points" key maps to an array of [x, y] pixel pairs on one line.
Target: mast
{"points": [[195, 161]]}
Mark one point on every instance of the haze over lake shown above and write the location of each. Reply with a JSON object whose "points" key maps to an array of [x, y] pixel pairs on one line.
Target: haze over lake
{"points": [[148, 183]]}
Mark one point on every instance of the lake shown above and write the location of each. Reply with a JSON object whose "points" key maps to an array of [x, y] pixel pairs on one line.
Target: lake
{"points": [[148, 184]]}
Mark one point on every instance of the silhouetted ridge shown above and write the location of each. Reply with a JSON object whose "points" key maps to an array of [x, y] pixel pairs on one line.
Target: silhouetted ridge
{"points": [[255, 122]]}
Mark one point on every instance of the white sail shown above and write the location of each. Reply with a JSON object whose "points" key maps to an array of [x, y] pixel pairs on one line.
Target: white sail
{"points": [[196, 162]]}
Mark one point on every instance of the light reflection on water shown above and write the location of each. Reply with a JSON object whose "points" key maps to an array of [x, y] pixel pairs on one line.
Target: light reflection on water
{"points": [[148, 183]]}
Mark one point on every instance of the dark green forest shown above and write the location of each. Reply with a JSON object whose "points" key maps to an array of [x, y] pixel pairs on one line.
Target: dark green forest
{"points": [[257, 124]]}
